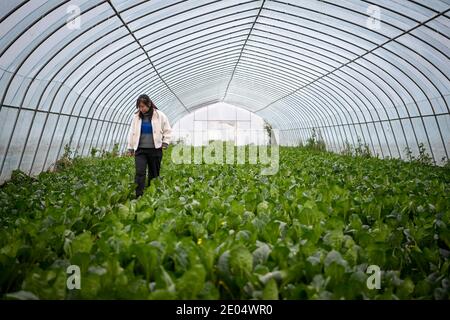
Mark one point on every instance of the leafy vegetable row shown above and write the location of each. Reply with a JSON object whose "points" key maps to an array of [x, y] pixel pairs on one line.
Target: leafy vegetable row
{"points": [[225, 231]]}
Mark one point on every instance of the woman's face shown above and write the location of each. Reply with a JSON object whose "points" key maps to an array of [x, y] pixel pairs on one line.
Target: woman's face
{"points": [[143, 107]]}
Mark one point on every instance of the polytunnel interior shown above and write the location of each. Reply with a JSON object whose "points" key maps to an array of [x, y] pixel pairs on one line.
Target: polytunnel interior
{"points": [[375, 72]]}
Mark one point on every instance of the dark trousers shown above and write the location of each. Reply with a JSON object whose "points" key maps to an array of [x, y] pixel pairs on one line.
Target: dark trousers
{"points": [[146, 157]]}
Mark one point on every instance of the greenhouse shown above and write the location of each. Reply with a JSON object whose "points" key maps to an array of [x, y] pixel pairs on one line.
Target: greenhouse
{"points": [[225, 149]]}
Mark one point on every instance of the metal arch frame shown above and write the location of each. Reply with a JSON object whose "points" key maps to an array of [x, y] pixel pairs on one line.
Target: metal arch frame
{"points": [[242, 49], [400, 153], [195, 17], [44, 90], [389, 97], [14, 75], [337, 134], [353, 87], [376, 110], [310, 110], [390, 39], [210, 57], [124, 114], [66, 97], [145, 52], [144, 36], [388, 117], [332, 107], [436, 49], [223, 23], [277, 60], [196, 70], [55, 95], [319, 67], [406, 142], [396, 144], [20, 5], [109, 84], [191, 108], [129, 61], [117, 14], [355, 94], [399, 118], [405, 90], [174, 55], [377, 66], [432, 83], [56, 113], [281, 59], [104, 136], [24, 31], [416, 105], [52, 103], [287, 119], [368, 111], [316, 99], [378, 121]]}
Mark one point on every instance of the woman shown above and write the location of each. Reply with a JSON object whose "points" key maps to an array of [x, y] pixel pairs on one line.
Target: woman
{"points": [[149, 134]]}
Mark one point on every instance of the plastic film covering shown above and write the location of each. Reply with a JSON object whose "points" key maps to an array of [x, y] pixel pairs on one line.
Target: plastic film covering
{"points": [[371, 72]]}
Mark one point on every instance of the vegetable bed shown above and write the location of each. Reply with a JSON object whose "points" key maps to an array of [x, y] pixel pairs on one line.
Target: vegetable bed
{"points": [[225, 232]]}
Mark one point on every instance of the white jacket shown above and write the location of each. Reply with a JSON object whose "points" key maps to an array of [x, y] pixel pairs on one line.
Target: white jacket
{"points": [[162, 131]]}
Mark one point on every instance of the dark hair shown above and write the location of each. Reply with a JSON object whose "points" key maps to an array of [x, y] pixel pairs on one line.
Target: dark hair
{"points": [[148, 102]]}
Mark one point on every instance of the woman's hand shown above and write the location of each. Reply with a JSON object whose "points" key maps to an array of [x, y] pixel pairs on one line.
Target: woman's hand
{"points": [[165, 145], [130, 153]]}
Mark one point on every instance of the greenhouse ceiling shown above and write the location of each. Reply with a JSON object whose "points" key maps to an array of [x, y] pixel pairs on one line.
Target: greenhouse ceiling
{"points": [[370, 72]]}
